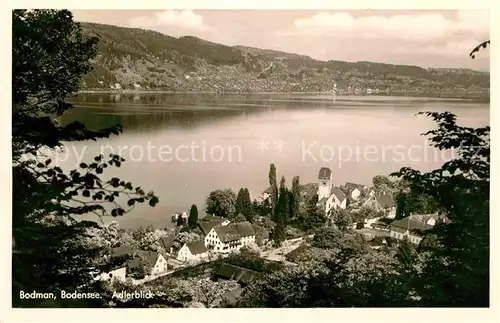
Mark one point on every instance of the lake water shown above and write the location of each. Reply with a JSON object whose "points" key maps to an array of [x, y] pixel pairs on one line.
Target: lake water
{"points": [[182, 146]]}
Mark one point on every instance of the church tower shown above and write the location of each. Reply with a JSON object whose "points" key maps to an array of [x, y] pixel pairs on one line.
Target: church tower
{"points": [[325, 183]]}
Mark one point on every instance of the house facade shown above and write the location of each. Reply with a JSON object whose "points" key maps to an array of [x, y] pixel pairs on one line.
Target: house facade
{"points": [[207, 223], [337, 200], [155, 262], [408, 228], [354, 190], [152, 263], [115, 274], [382, 201], [265, 195], [193, 251], [231, 237]]}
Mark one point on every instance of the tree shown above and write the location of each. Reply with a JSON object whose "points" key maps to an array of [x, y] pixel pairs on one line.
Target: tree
{"points": [[49, 57], [274, 188], [282, 211], [342, 220], [327, 238], [406, 253], [278, 234], [296, 198], [248, 211], [478, 48], [239, 200], [193, 216], [221, 203], [205, 291], [185, 237], [240, 218], [180, 221], [381, 182], [365, 213], [281, 214], [244, 204], [314, 217], [402, 206], [408, 201], [457, 271], [330, 279], [151, 240]]}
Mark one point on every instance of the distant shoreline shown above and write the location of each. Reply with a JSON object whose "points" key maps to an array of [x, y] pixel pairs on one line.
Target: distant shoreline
{"points": [[444, 95]]}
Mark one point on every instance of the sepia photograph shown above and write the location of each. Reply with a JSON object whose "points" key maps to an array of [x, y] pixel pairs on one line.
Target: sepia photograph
{"points": [[230, 158]]}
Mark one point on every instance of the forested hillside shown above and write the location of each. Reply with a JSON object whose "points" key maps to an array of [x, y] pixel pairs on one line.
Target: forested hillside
{"points": [[144, 59]]}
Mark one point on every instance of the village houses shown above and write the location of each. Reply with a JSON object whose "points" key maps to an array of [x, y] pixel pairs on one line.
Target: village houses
{"points": [[184, 216], [382, 201], [120, 271], [231, 237], [354, 191], [266, 195], [167, 243], [207, 223], [193, 251], [329, 197], [154, 263], [408, 227]]}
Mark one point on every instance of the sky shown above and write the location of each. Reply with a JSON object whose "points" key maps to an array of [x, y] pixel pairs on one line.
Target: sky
{"points": [[427, 38]]}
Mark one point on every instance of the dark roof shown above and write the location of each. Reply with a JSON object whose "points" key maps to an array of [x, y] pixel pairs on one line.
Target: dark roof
{"points": [[398, 229], [239, 274], [213, 218], [379, 224], [234, 231], [261, 233], [338, 193], [411, 224], [324, 173], [147, 258], [121, 251], [133, 263], [295, 253], [377, 241], [322, 201], [427, 217], [167, 242], [268, 190], [385, 199], [351, 186], [196, 247], [206, 226]]}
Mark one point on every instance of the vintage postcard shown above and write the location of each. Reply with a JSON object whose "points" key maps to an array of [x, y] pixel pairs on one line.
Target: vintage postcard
{"points": [[196, 158]]}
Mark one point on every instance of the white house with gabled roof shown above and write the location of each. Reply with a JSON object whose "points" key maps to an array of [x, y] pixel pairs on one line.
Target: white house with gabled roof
{"points": [[231, 237]]}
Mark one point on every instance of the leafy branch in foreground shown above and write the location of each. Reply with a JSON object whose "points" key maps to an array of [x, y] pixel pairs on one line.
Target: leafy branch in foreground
{"points": [[50, 55], [478, 48], [457, 271]]}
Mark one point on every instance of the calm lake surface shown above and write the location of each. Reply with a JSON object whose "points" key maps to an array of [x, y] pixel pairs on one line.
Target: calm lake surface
{"points": [[182, 146]]}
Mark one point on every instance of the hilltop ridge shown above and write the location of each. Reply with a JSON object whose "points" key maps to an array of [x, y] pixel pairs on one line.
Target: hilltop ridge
{"points": [[143, 59]]}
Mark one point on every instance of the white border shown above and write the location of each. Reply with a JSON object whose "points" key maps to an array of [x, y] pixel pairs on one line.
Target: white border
{"points": [[7, 314]]}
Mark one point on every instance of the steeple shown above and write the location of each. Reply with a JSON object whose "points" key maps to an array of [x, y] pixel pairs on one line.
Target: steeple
{"points": [[325, 183]]}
